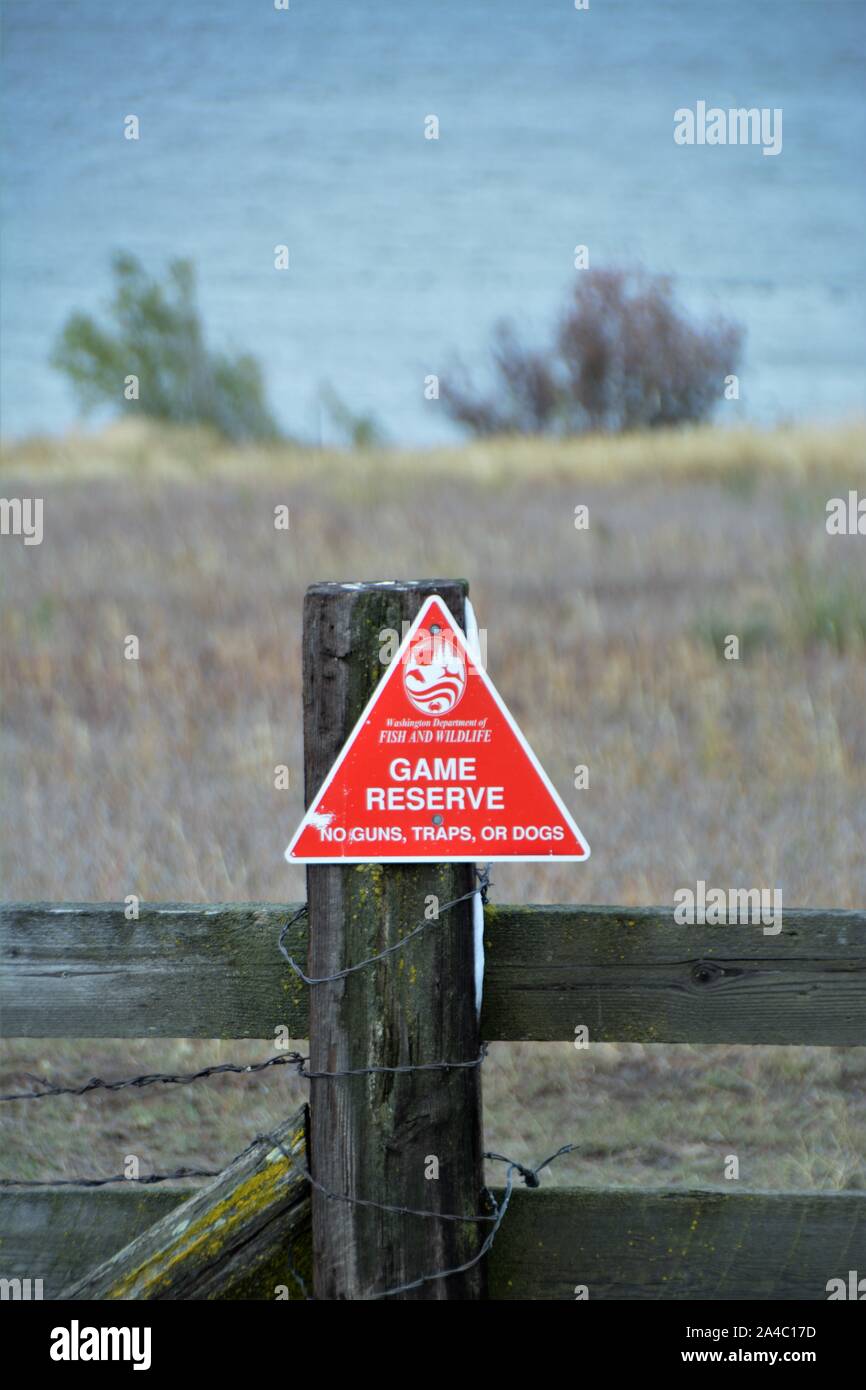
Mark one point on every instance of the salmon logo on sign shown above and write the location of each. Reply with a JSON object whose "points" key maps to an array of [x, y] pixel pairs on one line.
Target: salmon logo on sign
{"points": [[436, 768], [434, 680]]}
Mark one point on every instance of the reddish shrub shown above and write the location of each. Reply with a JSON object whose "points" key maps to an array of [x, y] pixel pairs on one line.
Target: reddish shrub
{"points": [[623, 357]]}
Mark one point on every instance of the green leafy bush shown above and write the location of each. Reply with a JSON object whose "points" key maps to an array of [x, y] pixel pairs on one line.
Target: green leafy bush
{"points": [[157, 337]]}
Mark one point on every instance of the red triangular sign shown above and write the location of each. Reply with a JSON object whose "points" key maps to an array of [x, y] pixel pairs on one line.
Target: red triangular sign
{"points": [[436, 768]]}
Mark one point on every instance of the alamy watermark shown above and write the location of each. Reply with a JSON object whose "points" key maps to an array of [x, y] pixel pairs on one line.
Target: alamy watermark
{"points": [[740, 125], [77, 1343], [22, 516], [703, 906], [20, 1290], [430, 648], [846, 516], [852, 1288]]}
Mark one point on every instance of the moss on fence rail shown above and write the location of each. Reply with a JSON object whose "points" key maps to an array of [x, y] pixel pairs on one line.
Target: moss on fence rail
{"points": [[621, 1243], [630, 974]]}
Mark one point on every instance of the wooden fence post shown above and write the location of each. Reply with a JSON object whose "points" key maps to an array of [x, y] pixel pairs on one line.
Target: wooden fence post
{"points": [[381, 1137]]}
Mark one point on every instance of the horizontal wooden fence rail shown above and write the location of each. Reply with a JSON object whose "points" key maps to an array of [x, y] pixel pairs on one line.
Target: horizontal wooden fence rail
{"points": [[622, 1244], [628, 974]]}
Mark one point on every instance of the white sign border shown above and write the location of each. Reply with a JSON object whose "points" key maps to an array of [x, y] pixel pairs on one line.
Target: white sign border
{"points": [[438, 856]]}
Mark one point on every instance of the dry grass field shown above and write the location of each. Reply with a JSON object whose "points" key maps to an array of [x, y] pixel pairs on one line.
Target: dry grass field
{"points": [[155, 777]]}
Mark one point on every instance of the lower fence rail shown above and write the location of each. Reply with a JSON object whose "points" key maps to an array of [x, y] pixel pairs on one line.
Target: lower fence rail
{"points": [[555, 1243]]}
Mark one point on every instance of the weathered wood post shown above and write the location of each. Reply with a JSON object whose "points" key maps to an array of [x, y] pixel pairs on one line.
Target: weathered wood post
{"points": [[378, 1137]]}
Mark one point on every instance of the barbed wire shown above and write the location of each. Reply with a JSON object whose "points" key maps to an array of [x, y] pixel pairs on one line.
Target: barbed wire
{"points": [[529, 1175], [404, 1067], [118, 1177], [387, 1206], [124, 1177], [292, 1059], [468, 1264], [148, 1078], [483, 884]]}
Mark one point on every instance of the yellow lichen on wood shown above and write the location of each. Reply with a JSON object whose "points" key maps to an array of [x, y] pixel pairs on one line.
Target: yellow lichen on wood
{"points": [[208, 1236]]}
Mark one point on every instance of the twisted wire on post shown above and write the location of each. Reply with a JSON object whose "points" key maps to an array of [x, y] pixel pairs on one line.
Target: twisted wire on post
{"points": [[529, 1176], [483, 882]]}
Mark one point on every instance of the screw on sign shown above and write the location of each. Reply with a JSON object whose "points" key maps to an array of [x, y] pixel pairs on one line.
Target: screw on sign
{"points": [[436, 768]]}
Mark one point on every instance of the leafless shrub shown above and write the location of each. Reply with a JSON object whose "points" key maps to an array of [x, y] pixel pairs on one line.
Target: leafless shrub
{"points": [[623, 357]]}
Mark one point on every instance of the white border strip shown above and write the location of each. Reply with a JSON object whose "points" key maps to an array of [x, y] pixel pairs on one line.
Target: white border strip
{"points": [[477, 905]]}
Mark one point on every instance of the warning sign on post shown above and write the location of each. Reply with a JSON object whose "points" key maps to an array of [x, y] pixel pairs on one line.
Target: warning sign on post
{"points": [[436, 768]]}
